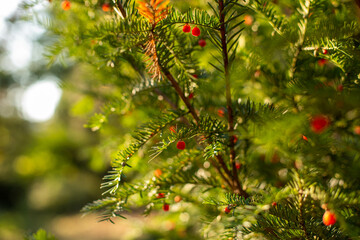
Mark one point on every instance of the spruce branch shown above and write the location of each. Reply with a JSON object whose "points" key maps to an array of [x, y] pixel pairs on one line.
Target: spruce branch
{"points": [[223, 35], [305, 10], [301, 210], [196, 118]]}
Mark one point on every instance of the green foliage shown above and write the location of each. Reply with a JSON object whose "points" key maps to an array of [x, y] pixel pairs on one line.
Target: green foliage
{"points": [[263, 158]]}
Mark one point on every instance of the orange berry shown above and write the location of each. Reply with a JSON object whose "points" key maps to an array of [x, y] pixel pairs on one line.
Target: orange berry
{"points": [[273, 204], [166, 207], [324, 206], [202, 42], [180, 145], [357, 130], [106, 7], [329, 218], [65, 5], [227, 210], [304, 138], [177, 198], [172, 129], [196, 31], [158, 172], [319, 123], [186, 28], [248, 20]]}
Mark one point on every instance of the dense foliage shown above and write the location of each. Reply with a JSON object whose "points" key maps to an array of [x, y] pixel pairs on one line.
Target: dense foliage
{"points": [[247, 112]]}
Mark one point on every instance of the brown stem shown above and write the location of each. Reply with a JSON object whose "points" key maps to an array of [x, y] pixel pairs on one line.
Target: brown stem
{"points": [[301, 216], [121, 8], [236, 181], [218, 169], [179, 91], [196, 117]]}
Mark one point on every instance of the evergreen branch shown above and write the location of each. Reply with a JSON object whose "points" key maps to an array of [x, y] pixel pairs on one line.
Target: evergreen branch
{"points": [[223, 33], [256, 112], [303, 23], [197, 17], [142, 135], [264, 7], [108, 207], [301, 210]]}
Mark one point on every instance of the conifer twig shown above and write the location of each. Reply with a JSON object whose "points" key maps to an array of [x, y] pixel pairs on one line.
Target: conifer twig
{"points": [[228, 99]]}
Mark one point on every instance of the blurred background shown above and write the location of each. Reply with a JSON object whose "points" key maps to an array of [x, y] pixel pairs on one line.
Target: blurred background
{"points": [[46, 155]]}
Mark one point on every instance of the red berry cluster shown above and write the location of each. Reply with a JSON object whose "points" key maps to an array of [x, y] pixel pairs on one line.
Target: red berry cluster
{"points": [[160, 195], [195, 32]]}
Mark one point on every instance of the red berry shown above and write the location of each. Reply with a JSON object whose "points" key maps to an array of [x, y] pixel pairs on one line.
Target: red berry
{"points": [[172, 129], [227, 210], [235, 139], [238, 165], [202, 42], [191, 96], [357, 130], [304, 138], [166, 207], [106, 7], [180, 145], [160, 195], [195, 76], [319, 123], [322, 62], [273, 204], [65, 5], [325, 51], [329, 218], [340, 88], [196, 31], [186, 28]]}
